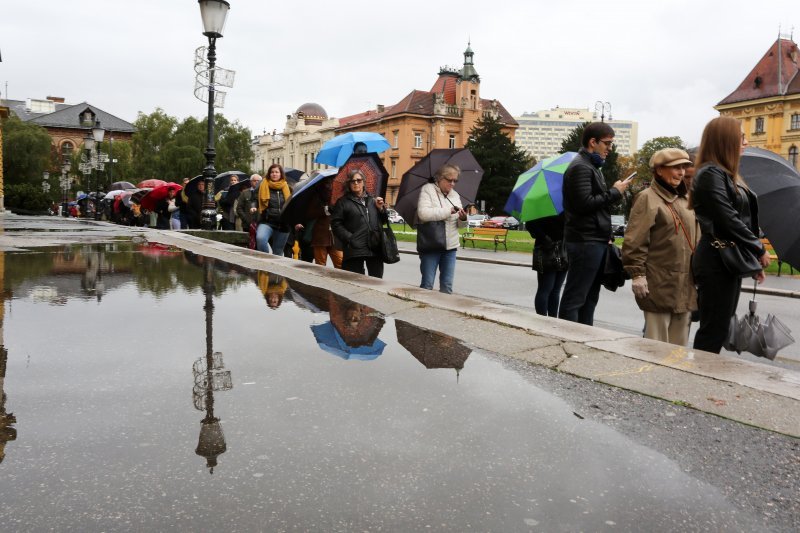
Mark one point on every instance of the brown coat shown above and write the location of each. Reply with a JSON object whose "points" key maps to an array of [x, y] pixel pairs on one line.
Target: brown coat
{"points": [[657, 245]]}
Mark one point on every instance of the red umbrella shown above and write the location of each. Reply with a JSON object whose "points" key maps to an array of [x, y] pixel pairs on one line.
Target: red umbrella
{"points": [[151, 184], [150, 199], [374, 172]]}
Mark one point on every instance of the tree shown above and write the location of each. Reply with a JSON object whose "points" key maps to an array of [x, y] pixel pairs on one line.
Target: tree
{"points": [[153, 131], [27, 152], [648, 149], [573, 141], [502, 161]]}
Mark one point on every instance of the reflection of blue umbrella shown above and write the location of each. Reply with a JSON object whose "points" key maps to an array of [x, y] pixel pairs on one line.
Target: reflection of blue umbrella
{"points": [[82, 196], [330, 341], [538, 192], [336, 151], [294, 212]]}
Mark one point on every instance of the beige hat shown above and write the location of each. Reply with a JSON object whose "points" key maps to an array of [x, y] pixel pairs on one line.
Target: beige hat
{"points": [[669, 157]]}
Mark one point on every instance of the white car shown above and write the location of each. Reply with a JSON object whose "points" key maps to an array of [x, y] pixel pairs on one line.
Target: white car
{"points": [[395, 218], [476, 221]]}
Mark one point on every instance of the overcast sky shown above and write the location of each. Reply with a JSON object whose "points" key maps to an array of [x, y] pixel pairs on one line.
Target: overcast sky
{"points": [[661, 63]]}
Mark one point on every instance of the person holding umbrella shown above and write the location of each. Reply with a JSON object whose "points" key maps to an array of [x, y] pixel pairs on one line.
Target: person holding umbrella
{"points": [[273, 193], [247, 205], [439, 202], [356, 220], [728, 215], [164, 209]]}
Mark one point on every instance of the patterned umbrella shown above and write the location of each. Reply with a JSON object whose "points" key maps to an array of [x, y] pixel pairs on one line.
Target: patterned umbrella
{"points": [[538, 191], [374, 172]]}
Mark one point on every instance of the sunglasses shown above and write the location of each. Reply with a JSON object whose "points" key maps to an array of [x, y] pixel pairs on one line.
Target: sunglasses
{"points": [[357, 180], [454, 180]]}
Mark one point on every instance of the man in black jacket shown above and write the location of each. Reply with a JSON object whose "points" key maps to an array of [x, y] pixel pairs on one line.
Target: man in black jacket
{"points": [[587, 229]]}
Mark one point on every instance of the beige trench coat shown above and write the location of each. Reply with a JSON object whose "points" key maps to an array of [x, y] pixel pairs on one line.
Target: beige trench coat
{"points": [[657, 246]]}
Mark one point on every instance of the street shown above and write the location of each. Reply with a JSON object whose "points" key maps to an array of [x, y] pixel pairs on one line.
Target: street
{"points": [[516, 286]]}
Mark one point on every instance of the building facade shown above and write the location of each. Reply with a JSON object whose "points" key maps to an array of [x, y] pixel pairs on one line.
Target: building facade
{"points": [[439, 118], [305, 132], [768, 101], [541, 133]]}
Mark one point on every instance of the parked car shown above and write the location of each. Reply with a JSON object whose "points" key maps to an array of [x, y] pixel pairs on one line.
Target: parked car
{"points": [[394, 217], [476, 221], [618, 225], [502, 222]]}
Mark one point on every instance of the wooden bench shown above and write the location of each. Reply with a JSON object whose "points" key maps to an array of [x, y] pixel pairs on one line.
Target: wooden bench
{"points": [[495, 235], [774, 257]]}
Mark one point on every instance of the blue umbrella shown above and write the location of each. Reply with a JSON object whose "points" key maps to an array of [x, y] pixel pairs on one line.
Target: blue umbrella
{"points": [[538, 191], [336, 151], [330, 341]]}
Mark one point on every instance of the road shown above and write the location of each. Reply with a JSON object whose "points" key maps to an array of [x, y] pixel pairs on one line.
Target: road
{"points": [[516, 286]]}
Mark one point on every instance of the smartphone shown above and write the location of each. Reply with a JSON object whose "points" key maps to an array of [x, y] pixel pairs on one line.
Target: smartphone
{"points": [[629, 178]]}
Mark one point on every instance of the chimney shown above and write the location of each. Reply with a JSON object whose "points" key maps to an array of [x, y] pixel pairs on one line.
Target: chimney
{"points": [[56, 99], [381, 108]]}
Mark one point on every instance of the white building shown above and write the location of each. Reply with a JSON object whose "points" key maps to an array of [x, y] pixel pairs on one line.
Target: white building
{"points": [[542, 132]]}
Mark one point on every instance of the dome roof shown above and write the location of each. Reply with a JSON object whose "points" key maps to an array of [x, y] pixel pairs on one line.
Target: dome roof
{"points": [[311, 110]]}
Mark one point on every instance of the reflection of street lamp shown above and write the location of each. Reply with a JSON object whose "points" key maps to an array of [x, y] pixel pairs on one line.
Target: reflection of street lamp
{"points": [[97, 133], [213, 13], [602, 107], [45, 182], [88, 145], [65, 188]]}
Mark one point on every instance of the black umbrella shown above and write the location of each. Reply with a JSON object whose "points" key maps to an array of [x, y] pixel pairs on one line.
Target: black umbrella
{"points": [[432, 349], [121, 186], [296, 209], [777, 185], [293, 175], [223, 181], [423, 171]]}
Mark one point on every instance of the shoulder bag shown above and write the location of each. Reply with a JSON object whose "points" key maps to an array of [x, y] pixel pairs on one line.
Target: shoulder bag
{"points": [[737, 260], [389, 252], [431, 237], [551, 257]]}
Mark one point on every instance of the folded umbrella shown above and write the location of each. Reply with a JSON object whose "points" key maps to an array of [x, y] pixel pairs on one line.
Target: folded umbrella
{"points": [[777, 185], [337, 150], [370, 165], [762, 339], [150, 199], [467, 186], [538, 192]]}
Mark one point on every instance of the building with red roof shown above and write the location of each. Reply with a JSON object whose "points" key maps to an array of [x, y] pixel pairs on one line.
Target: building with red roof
{"points": [[768, 101]]}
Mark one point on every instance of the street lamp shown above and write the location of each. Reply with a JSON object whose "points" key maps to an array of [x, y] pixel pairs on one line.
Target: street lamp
{"points": [[97, 134], [45, 182], [602, 107], [88, 145], [213, 13]]}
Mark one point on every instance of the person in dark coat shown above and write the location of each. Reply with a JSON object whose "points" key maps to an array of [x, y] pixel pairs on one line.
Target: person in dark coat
{"points": [[548, 233], [587, 229], [726, 210], [164, 209], [227, 203], [194, 205], [356, 221], [247, 204]]}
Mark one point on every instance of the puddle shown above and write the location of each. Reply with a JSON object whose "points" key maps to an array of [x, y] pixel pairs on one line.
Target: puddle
{"points": [[149, 388]]}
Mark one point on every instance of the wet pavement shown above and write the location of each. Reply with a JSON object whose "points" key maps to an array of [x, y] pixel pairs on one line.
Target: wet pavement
{"points": [[153, 388]]}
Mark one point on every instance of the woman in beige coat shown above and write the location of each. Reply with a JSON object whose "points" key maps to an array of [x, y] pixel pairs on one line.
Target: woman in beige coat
{"points": [[657, 252]]}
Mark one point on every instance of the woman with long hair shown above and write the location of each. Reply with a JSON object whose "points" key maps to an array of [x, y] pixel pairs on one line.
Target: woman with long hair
{"points": [[728, 215], [273, 193]]}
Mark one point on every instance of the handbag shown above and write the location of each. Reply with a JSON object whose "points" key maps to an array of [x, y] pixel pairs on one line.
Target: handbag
{"points": [[737, 260], [431, 237], [389, 252], [550, 257], [614, 275]]}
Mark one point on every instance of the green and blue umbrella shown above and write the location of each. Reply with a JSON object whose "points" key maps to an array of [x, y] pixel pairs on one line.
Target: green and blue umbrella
{"points": [[538, 192]]}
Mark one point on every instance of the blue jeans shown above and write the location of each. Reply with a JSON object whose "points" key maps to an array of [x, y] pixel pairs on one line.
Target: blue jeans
{"points": [[548, 292], [264, 233], [584, 277], [445, 262]]}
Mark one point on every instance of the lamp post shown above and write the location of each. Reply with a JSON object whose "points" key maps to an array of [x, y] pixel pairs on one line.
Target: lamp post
{"points": [[213, 13], [602, 107], [65, 189], [97, 134], [46, 183], [88, 145]]}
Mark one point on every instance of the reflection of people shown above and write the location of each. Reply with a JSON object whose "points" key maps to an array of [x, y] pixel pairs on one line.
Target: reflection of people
{"points": [[658, 247], [357, 324], [356, 221], [273, 193], [7, 432], [548, 234], [726, 210], [587, 228], [438, 201], [273, 287]]}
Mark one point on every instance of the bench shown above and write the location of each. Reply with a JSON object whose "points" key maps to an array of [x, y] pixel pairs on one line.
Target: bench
{"points": [[494, 235], [774, 257]]}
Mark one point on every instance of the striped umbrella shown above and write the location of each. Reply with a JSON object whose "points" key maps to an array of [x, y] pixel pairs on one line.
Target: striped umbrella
{"points": [[538, 191]]}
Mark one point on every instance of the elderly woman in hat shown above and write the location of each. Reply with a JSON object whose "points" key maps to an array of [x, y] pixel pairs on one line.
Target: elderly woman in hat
{"points": [[657, 252]]}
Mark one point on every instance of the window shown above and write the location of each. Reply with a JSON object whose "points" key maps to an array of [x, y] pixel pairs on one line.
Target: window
{"points": [[795, 122], [66, 152], [396, 138], [793, 156], [394, 168], [417, 140], [452, 141], [759, 125]]}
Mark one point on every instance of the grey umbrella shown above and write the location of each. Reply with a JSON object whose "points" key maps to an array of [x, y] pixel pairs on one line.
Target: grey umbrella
{"points": [[761, 338]]}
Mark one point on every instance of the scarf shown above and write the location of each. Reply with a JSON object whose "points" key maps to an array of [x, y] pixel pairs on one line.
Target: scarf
{"points": [[264, 188]]}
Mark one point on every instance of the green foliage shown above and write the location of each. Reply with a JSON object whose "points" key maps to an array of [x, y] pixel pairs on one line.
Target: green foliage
{"points": [[27, 197], [648, 149], [167, 149], [27, 152], [502, 162], [572, 143]]}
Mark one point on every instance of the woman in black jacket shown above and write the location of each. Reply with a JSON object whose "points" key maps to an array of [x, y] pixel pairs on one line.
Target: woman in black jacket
{"points": [[356, 221], [548, 234], [727, 211]]}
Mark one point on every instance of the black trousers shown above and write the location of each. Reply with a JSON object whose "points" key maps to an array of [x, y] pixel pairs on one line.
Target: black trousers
{"points": [[356, 264], [717, 297]]}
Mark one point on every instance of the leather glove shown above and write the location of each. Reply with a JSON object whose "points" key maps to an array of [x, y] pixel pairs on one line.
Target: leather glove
{"points": [[639, 286]]}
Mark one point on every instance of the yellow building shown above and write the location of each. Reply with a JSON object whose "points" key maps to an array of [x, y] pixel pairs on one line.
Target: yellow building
{"points": [[768, 101], [424, 120]]}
